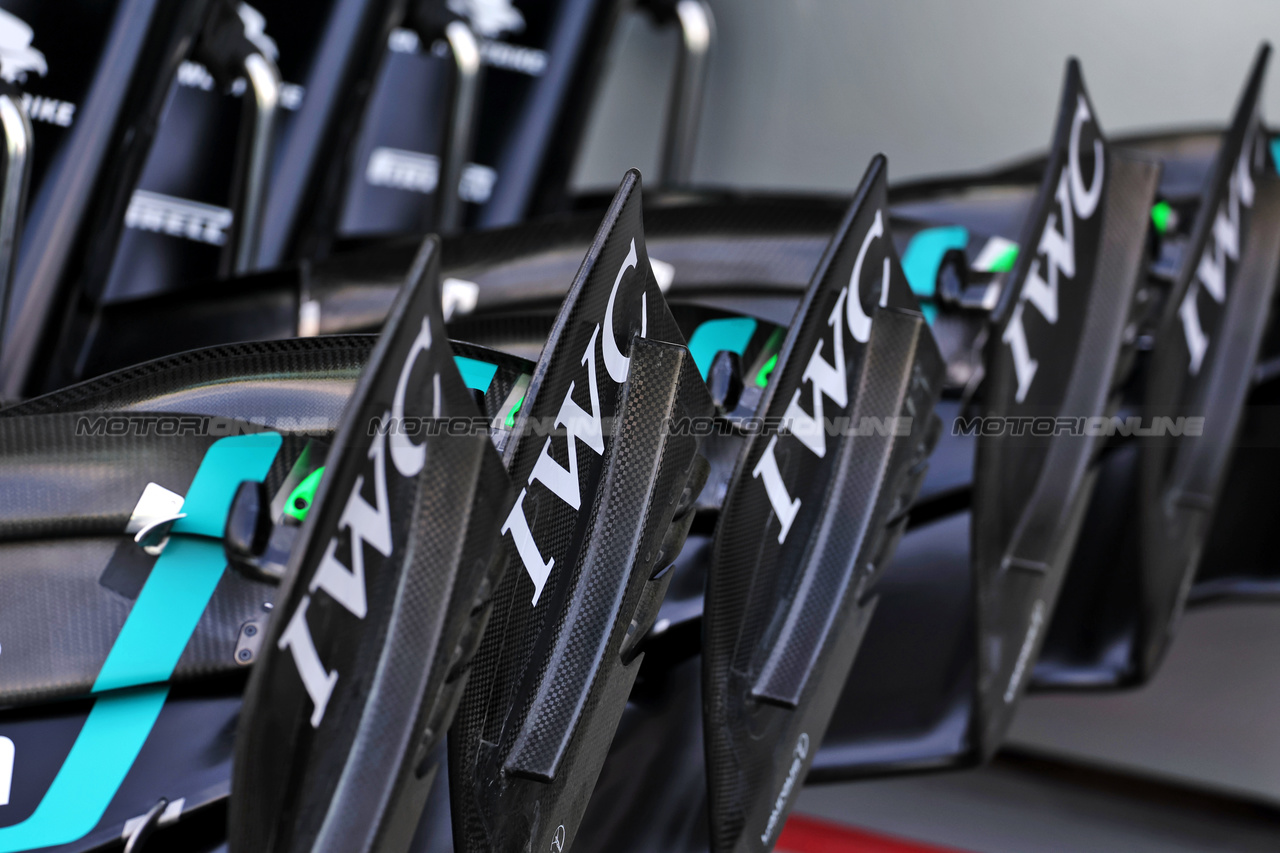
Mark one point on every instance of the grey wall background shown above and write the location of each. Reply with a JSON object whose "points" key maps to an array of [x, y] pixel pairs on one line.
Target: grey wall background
{"points": [[802, 93], [1207, 721]]}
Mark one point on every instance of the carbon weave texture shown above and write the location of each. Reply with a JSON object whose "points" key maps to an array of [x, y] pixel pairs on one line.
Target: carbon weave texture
{"points": [[300, 779], [212, 647], [856, 496], [66, 592], [60, 623], [587, 631], [429, 603], [510, 659], [59, 479], [763, 591], [221, 380], [499, 665], [304, 381], [662, 468], [743, 587], [878, 477]]}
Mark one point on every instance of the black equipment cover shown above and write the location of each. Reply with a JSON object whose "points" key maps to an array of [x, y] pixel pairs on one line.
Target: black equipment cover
{"points": [[97, 74], [328, 57], [543, 61]]}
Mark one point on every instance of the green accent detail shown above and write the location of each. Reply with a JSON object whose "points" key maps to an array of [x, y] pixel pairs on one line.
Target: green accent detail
{"points": [[475, 373], [511, 415], [147, 649], [300, 499], [762, 378], [1005, 261], [924, 255], [728, 333], [771, 348], [1161, 213], [104, 751]]}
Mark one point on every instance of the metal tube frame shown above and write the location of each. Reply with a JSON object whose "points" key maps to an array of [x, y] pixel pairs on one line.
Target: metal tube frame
{"points": [[463, 107], [262, 106], [697, 36], [18, 144]]}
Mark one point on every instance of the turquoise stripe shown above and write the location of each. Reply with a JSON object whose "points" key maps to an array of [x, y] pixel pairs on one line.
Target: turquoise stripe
{"points": [[475, 373], [187, 572], [924, 255], [149, 646], [731, 333], [1275, 152], [165, 614], [227, 463], [112, 736]]}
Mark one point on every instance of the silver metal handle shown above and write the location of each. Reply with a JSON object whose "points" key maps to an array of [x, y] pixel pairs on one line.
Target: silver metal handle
{"points": [[145, 825], [697, 35], [17, 173], [462, 119], [261, 113]]}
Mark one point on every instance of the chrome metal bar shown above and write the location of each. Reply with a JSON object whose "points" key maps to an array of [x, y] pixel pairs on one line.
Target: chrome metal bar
{"points": [[697, 35], [145, 825], [463, 107], [264, 89], [18, 144]]}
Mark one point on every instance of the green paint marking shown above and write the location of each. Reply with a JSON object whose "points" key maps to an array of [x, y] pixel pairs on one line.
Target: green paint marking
{"points": [[1162, 216], [302, 497], [771, 347], [762, 378], [1005, 260], [511, 415]]}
